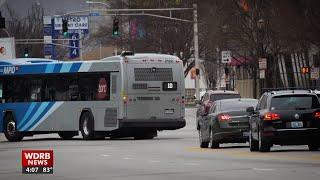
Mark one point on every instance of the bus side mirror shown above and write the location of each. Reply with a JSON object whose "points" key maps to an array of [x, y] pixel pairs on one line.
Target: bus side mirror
{"points": [[250, 110]]}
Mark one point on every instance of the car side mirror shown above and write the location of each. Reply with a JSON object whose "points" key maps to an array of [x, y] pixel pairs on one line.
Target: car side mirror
{"points": [[197, 102], [250, 110]]}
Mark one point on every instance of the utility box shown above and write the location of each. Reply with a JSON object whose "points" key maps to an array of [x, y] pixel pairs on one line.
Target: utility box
{"points": [[7, 48]]}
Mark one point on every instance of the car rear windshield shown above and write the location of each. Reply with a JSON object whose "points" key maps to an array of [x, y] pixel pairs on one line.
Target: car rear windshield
{"points": [[216, 97], [237, 105], [294, 102]]}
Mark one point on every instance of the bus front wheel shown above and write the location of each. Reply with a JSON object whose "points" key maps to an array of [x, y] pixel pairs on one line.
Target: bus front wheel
{"points": [[87, 126], [10, 129]]}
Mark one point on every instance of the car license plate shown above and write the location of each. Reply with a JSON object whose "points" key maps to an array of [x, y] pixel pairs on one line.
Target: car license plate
{"points": [[245, 134], [169, 111], [297, 124]]}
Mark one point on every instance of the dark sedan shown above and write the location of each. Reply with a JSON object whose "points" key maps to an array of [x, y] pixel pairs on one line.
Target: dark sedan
{"points": [[285, 118], [227, 122]]}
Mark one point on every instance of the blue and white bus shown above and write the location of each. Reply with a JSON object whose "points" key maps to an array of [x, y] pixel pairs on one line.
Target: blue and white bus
{"points": [[131, 95]]}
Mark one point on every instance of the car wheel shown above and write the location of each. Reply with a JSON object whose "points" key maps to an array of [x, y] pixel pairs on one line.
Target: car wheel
{"points": [[87, 126], [314, 147], [254, 145], [10, 129], [263, 145], [214, 144], [203, 144]]}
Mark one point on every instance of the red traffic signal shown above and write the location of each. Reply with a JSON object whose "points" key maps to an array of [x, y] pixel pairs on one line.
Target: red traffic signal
{"points": [[305, 70]]}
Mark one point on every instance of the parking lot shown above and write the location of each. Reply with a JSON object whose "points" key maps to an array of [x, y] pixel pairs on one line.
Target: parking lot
{"points": [[172, 155]]}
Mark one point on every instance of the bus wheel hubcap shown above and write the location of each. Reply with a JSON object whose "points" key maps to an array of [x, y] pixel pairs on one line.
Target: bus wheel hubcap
{"points": [[11, 128], [85, 127]]}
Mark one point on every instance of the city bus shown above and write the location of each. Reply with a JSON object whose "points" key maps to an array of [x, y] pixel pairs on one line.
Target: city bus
{"points": [[130, 95]]}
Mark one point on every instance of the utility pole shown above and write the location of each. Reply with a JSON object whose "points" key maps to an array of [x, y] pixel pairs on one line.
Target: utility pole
{"points": [[196, 48]]}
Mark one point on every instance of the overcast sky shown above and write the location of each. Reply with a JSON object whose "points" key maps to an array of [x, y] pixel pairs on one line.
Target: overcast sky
{"points": [[51, 7]]}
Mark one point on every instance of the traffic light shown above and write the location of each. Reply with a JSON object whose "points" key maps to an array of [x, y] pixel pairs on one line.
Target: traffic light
{"points": [[65, 27], [115, 29], [305, 70], [26, 52], [2, 22]]}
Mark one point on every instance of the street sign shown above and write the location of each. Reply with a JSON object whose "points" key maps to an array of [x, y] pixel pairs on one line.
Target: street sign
{"points": [[225, 56], [94, 14], [262, 63], [48, 35], [314, 75], [47, 39], [74, 23], [262, 74], [74, 50], [7, 48], [46, 20]]}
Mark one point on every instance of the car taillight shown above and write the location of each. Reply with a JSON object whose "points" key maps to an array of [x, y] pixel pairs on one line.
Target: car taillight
{"points": [[224, 117], [317, 115], [271, 116]]}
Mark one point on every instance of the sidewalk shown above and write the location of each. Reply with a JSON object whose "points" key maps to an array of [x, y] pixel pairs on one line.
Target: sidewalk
{"points": [[2, 137]]}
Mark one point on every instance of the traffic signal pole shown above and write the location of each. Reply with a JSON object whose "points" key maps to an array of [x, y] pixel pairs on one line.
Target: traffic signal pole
{"points": [[196, 48]]}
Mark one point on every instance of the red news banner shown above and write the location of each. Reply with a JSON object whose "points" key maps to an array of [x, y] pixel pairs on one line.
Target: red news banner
{"points": [[37, 161]]}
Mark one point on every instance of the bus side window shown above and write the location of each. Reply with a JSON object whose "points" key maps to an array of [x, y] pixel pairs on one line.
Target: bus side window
{"points": [[48, 89], [73, 89], [1, 93], [61, 90]]}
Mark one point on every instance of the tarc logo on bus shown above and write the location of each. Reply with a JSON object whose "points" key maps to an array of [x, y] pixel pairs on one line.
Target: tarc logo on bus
{"points": [[9, 69]]}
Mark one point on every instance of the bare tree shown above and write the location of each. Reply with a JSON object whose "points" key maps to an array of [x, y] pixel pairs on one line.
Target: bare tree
{"points": [[29, 27]]}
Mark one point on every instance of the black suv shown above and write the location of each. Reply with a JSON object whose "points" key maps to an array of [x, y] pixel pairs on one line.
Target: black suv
{"points": [[290, 117]]}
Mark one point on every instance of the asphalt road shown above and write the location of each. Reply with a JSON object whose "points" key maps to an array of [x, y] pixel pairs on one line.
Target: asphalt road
{"points": [[172, 155]]}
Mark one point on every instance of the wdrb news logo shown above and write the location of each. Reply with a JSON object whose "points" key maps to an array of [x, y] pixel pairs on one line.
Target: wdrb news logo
{"points": [[37, 161]]}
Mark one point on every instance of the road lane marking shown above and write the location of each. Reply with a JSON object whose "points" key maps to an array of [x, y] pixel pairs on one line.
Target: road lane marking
{"points": [[105, 155], [247, 154], [154, 161], [191, 164], [262, 169]]}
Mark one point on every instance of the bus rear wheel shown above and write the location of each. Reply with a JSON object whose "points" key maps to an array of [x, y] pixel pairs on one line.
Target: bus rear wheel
{"points": [[10, 129], [87, 126]]}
